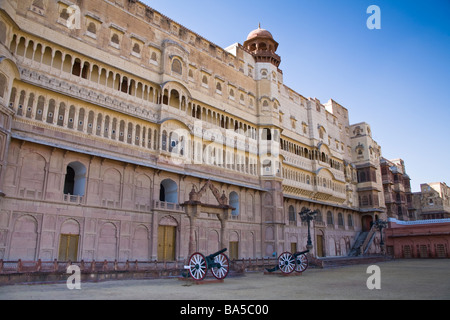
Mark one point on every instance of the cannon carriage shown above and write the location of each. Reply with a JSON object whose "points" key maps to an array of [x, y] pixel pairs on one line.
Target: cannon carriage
{"points": [[218, 263], [288, 262]]}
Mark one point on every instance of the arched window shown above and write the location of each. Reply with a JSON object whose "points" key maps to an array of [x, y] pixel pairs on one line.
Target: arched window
{"points": [[137, 48], [177, 67], [75, 181], [350, 220], [319, 217], [2, 32], [40, 108], [168, 191], [3, 85], [292, 216], [115, 39], [321, 132], [173, 142], [51, 111], [174, 99], [92, 28], [362, 176], [330, 218], [234, 203], [340, 220], [76, 68], [266, 134], [364, 201], [205, 81], [164, 141]]}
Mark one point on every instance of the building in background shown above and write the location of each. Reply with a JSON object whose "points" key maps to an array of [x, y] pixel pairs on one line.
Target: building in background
{"points": [[433, 201], [397, 190], [429, 235], [126, 136], [421, 239]]}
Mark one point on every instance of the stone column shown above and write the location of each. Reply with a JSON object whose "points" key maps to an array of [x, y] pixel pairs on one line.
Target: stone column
{"points": [[223, 223], [192, 211]]}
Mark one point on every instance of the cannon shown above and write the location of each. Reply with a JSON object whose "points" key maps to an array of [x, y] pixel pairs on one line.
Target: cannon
{"points": [[218, 263], [288, 262]]}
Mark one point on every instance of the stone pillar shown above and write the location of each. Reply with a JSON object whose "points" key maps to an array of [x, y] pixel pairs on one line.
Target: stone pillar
{"points": [[192, 211], [223, 223], [5, 139], [273, 216]]}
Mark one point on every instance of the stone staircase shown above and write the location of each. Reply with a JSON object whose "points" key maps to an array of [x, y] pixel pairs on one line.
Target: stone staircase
{"points": [[363, 243], [356, 250]]}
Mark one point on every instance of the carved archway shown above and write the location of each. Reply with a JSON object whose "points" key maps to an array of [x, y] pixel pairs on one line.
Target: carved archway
{"points": [[194, 207], [195, 196]]}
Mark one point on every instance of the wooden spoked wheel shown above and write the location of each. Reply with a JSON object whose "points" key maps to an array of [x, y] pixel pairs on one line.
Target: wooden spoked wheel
{"points": [[301, 263], [197, 266], [222, 267], [286, 262]]}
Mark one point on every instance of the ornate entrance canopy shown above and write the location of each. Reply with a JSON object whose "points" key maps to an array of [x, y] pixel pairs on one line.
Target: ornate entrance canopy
{"points": [[194, 207], [195, 196]]}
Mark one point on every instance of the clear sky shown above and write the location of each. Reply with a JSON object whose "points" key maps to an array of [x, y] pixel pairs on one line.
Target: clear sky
{"points": [[397, 78]]}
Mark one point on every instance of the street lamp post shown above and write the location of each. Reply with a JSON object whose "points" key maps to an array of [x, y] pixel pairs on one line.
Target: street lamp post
{"points": [[380, 225], [307, 216]]}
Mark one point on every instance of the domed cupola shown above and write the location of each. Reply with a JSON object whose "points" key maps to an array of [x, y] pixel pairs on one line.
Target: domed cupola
{"points": [[261, 44]]}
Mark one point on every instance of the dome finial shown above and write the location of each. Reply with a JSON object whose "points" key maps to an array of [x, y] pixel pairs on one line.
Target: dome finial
{"points": [[259, 25]]}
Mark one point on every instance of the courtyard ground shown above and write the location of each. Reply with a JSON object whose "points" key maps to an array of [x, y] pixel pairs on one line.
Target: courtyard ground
{"points": [[400, 280]]}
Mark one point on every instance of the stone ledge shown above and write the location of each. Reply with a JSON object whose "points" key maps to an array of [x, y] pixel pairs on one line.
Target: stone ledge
{"points": [[58, 277]]}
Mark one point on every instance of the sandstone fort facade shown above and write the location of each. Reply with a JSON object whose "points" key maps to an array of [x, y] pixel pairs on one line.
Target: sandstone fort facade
{"points": [[126, 136]]}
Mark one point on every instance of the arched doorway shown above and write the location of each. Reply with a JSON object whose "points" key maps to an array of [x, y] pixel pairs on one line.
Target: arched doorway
{"points": [[366, 222], [167, 236], [234, 246], [320, 252], [69, 241]]}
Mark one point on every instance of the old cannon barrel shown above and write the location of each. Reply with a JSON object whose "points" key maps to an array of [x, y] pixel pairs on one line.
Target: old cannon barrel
{"points": [[300, 253], [212, 256]]}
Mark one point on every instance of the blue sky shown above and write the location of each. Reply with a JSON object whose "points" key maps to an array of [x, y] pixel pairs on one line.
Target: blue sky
{"points": [[397, 78]]}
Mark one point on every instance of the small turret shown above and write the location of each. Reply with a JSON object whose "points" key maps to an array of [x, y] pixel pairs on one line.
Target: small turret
{"points": [[261, 44]]}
